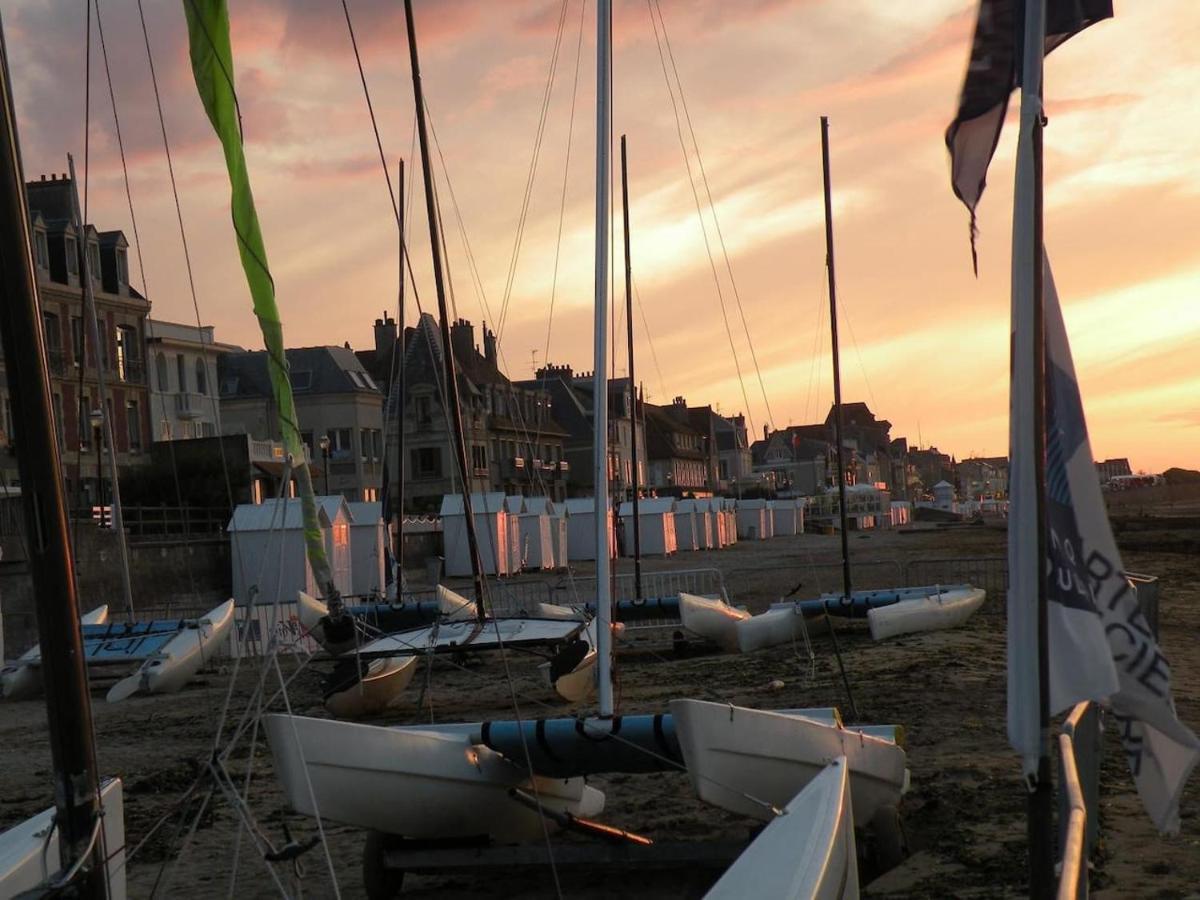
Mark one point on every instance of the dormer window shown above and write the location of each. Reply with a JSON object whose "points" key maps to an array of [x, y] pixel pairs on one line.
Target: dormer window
{"points": [[41, 250], [72, 256], [122, 267], [93, 252]]}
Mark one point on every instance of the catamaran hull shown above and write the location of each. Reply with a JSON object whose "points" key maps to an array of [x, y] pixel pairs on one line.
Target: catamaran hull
{"points": [[376, 691], [180, 659], [947, 609], [740, 759], [22, 680], [807, 853], [23, 847], [414, 783], [714, 620]]}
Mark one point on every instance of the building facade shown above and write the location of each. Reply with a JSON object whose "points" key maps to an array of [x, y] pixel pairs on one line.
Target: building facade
{"points": [[74, 361], [184, 401], [339, 406], [679, 458]]}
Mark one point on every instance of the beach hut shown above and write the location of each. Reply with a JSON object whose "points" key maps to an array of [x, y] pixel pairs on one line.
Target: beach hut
{"points": [[558, 534], [514, 505], [943, 496], [753, 520], [368, 542], [786, 517], [260, 534], [538, 524], [705, 525], [581, 528], [491, 528], [687, 522], [656, 518]]}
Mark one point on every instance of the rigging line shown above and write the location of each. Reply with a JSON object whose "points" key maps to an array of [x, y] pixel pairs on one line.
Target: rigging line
{"points": [[845, 314], [533, 162], [362, 76], [713, 211], [662, 384], [700, 215], [137, 243], [813, 357], [562, 208]]}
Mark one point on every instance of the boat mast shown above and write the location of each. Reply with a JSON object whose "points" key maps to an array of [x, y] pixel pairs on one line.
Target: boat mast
{"points": [[1031, 42], [633, 399], [599, 380], [93, 320], [68, 704], [837, 403], [401, 398], [452, 399]]}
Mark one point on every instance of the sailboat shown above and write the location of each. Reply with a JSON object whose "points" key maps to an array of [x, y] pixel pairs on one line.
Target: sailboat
{"points": [[461, 773], [78, 845]]}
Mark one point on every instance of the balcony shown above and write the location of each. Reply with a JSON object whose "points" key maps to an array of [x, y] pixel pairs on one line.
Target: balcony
{"points": [[189, 405], [131, 371]]}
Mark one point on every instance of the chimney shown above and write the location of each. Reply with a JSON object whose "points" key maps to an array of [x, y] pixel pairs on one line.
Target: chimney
{"points": [[679, 403], [489, 345], [766, 434], [462, 339], [385, 335]]}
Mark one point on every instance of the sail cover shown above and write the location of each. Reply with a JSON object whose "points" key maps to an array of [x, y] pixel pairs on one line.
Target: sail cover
{"points": [[212, 68]]}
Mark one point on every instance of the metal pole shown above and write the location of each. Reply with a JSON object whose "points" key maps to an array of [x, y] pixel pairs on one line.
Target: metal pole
{"points": [[89, 306], [837, 403], [637, 527], [68, 705], [599, 379], [452, 398], [400, 386], [1030, 45]]}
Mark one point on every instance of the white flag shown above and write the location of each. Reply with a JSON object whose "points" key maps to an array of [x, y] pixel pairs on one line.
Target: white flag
{"points": [[1100, 645]]}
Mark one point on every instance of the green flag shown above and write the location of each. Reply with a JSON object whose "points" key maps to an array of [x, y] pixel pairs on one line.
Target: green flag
{"points": [[212, 67]]}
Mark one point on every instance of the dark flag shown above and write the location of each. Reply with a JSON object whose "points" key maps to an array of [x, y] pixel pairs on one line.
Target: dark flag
{"points": [[992, 74]]}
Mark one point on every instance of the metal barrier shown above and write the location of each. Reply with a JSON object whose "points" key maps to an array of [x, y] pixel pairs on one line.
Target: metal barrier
{"points": [[1078, 797], [987, 572], [1147, 596], [668, 583]]}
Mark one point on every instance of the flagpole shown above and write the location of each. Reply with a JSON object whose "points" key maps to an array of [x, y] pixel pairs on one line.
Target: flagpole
{"points": [[1041, 797]]}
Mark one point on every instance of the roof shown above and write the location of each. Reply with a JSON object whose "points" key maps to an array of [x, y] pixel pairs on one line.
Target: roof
{"points": [[578, 506], [514, 503], [752, 504], [540, 506], [313, 370], [273, 516], [650, 506], [660, 425], [491, 502], [365, 513]]}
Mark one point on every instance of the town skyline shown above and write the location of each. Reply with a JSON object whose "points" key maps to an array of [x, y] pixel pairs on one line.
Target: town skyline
{"points": [[923, 342]]}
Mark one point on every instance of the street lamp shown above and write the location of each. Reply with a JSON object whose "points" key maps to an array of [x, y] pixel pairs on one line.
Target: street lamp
{"points": [[96, 417], [324, 443]]}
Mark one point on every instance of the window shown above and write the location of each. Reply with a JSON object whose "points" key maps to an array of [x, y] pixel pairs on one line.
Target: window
{"points": [[77, 339], [424, 410], [341, 443], [301, 381], [85, 423], [58, 421], [40, 250], [306, 438], [356, 378], [53, 335], [370, 495], [427, 462], [160, 371], [122, 267], [93, 260], [378, 444], [164, 430], [201, 378], [105, 347], [128, 357], [181, 371], [364, 442], [133, 421], [108, 406], [72, 255], [479, 457]]}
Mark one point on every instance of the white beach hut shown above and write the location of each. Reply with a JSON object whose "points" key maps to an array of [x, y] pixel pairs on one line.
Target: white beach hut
{"points": [[368, 541], [259, 534], [581, 528], [538, 524], [491, 529], [753, 520], [558, 534], [705, 524], [656, 518], [724, 521], [514, 505], [687, 522], [786, 517]]}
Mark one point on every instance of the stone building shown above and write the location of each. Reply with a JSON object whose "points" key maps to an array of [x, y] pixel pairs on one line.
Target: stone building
{"points": [[183, 379]]}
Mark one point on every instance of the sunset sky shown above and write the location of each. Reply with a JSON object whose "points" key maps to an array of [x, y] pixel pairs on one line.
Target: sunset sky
{"points": [[924, 342]]}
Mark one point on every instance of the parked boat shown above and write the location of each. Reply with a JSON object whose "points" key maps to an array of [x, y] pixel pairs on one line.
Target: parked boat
{"points": [[22, 679], [741, 759], [714, 620], [415, 782], [173, 659], [935, 611], [806, 853]]}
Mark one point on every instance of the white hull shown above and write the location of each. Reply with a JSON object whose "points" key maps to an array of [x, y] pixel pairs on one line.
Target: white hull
{"points": [[22, 846], [454, 607], [807, 853], [948, 609], [779, 625], [737, 757], [713, 620], [376, 691], [21, 680], [412, 782], [180, 659]]}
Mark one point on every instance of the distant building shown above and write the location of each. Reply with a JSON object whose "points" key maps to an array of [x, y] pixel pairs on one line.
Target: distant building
{"points": [[735, 465], [183, 385], [71, 356], [1109, 469], [678, 457], [336, 399], [931, 466], [983, 478]]}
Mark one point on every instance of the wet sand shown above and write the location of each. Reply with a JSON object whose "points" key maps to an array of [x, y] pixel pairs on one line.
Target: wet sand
{"points": [[964, 818]]}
